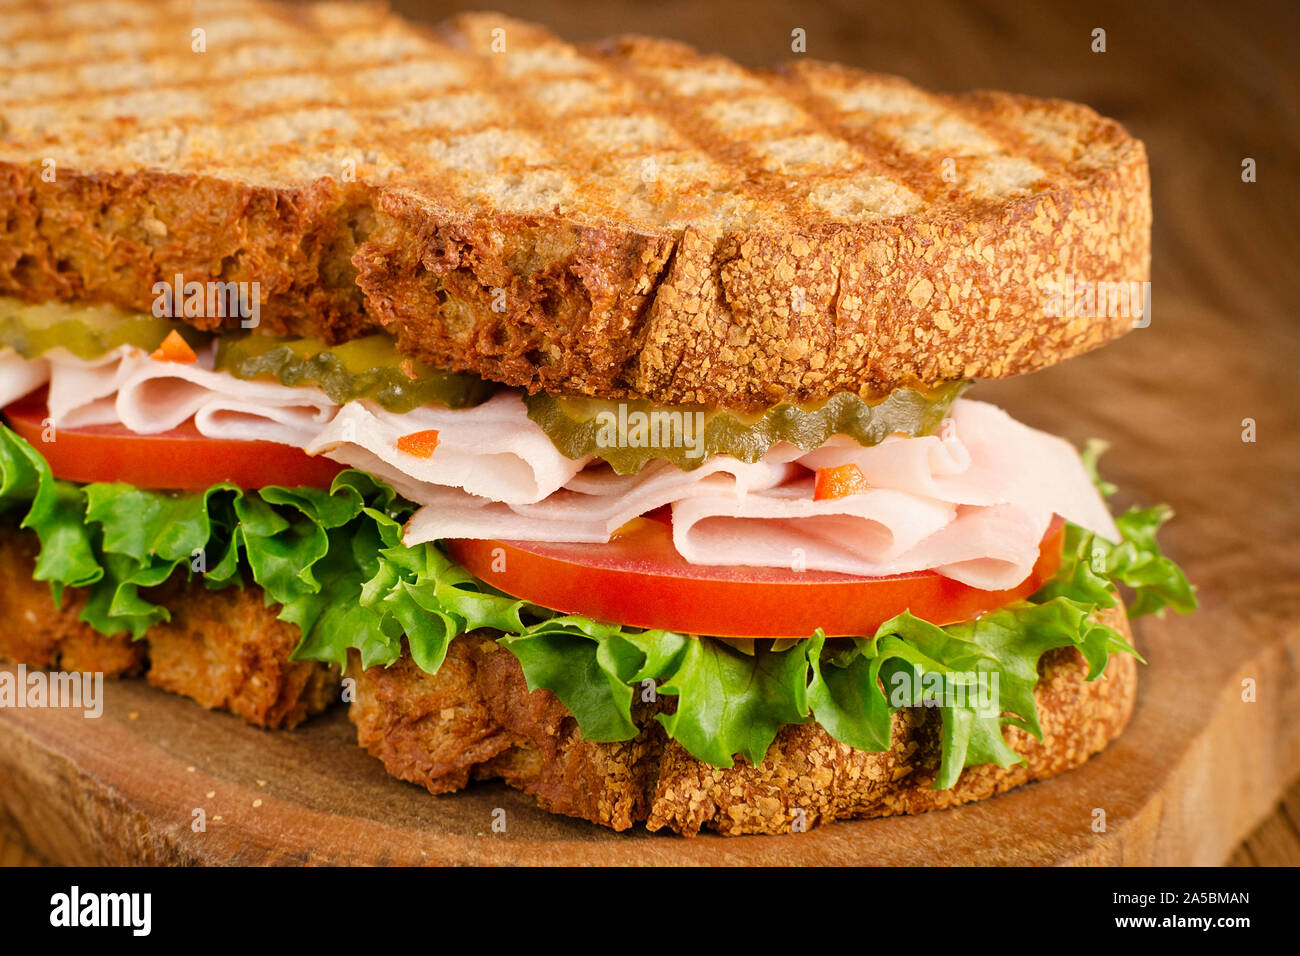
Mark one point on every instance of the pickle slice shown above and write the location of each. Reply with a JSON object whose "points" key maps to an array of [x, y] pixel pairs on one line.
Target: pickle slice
{"points": [[365, 368], [87, 331], [631, 433]]}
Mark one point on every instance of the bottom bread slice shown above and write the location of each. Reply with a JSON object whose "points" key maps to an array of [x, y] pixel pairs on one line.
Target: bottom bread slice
{"points": [[476, 719], [224, 649]]}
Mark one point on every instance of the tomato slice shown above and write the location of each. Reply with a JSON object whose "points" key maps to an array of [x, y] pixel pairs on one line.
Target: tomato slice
{"points": [[179, 459], [639, 579]]}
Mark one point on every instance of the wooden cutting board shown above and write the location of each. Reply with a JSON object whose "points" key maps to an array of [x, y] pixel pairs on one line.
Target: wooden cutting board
{"points": [[1196, 770], [1198, 766]]}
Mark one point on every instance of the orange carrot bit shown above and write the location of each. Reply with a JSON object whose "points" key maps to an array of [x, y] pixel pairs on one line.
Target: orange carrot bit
{"points": [[419, 444], [174, 349], [838, 482]]}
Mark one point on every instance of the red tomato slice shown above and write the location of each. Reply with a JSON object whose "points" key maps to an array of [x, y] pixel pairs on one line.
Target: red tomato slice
{"points": [[639, 579], [181, 458]]}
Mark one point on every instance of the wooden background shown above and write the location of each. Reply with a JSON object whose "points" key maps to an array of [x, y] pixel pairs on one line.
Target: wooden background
{"points": [[1205, 86]]}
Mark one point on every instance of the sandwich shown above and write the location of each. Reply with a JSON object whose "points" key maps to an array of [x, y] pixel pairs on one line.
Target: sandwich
{"points": [[596, 418]]}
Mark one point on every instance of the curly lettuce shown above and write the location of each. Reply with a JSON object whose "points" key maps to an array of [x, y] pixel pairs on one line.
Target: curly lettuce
{"points": [[334, 563]]}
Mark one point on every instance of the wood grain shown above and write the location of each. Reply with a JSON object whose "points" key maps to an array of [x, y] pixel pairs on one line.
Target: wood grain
{"points": [[1198, 769], [1276, 841], [1271, 843]]}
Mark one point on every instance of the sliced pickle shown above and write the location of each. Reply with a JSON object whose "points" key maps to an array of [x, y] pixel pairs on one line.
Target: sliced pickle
{"points": [[87, 331], [628, 434], [365, 368]]}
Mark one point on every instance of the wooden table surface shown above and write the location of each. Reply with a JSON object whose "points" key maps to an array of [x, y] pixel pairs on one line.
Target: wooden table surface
{"points": [[1276, 842], [1205, 86]]}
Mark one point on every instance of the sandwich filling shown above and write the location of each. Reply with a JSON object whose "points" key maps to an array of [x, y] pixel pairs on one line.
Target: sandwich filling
{"points": [[972, 502], [917, 490]]}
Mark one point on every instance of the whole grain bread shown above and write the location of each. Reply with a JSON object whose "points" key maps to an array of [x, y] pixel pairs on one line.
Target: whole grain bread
{"points": [[42, 634], [632, 218], [224, 649], [475, 719]]}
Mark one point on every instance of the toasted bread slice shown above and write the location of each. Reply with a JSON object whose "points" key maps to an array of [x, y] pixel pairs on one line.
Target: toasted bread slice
{"points": [[475, 719], [627, 219], [225, 649]]}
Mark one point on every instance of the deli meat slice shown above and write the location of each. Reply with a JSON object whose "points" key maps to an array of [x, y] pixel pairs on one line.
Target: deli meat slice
{"points": [[880, 533], [971, 502], [982, 456], [1001, 481], [491, 450], [129, 388], [864, 534], [20, 376], [595, 503]]}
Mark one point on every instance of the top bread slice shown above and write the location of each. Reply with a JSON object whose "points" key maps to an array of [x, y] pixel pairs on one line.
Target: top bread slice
{"points": [[631, 219]]}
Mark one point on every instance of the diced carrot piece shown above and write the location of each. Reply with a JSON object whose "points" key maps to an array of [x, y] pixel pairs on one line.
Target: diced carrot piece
{"points": [[174, 349], [838, 482], [419, 444]]}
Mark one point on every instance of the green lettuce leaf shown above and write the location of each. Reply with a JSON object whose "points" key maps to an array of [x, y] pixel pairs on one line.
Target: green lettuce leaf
{"points": [[733, 703], [843, 694], [54, 510]]}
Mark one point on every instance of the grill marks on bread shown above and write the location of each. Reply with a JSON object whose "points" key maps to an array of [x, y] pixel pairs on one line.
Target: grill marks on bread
{"points": [[632, 218]]}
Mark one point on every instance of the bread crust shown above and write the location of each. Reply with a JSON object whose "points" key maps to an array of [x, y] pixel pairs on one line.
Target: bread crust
{"points": [[48, 636], [224, 649], [745, 320], [733, 285], [476, 719], [228, 651], [106, 236]]}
